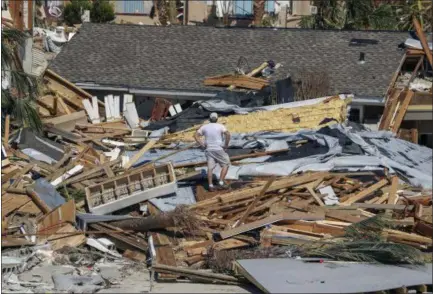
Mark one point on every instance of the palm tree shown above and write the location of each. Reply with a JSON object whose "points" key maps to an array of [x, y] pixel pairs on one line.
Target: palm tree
{"points": [[259, 11], [161, 8], [352, 14], [20, 94], [422, 9]]}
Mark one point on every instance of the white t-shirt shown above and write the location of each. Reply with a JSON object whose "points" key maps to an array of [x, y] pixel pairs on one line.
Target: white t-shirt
{"points": [[213, 134]]}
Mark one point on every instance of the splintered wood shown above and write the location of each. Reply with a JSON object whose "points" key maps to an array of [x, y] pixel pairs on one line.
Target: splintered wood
{"points": [[292, 211], [310, 116]]}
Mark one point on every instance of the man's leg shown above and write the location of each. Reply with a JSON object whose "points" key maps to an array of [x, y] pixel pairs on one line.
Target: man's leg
{"points": [[210, 168], [224, 161], [224, 170]]}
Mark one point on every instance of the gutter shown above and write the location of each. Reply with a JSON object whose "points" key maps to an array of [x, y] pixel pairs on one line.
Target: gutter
{"points": [[363, 100], [184, 95]]}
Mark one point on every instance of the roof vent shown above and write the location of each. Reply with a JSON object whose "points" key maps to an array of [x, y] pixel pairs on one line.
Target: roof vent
{"points": [[363, 42], [361, 58]]}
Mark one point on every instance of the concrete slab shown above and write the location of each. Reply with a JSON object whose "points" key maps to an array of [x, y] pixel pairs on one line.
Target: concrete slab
{"points": [[44, 273]]}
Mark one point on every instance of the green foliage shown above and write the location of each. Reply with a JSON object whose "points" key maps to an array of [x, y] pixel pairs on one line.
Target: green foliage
{"points": [[74, 10], [19, 99], [102, 11], [364, 242], [352, 15], [422, 9]]}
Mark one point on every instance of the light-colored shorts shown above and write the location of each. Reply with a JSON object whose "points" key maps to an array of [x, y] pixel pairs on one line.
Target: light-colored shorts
{"points": [[217, 156]]}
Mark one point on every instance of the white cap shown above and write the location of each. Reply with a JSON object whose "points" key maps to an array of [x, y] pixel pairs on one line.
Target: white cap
{"points": [[213, 115]]}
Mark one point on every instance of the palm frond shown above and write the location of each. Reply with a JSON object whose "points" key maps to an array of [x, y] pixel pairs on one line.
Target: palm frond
{"points": [[14, 36], [361, 251], [368, 229], [24, 110], [25, 84]]}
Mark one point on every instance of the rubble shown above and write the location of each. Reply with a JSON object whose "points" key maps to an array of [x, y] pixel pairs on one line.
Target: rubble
{"points": [[96, 203]]}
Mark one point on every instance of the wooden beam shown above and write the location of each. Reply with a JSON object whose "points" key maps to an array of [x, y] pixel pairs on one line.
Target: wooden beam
{"points": [[423, 40], [240, 81], [7, 130], [140, 153], [389, 109], [270, 220], [315, 196], [402, 111], [393, 197], [239, 195], [366, 192], [254, 203], [63, 105]]}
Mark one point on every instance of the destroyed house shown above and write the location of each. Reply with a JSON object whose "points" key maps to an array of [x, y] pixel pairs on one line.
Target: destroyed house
{"points": [[172, 62]]}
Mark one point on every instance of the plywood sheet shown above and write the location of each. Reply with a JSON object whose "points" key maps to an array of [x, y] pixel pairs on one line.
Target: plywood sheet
{"points": [[284, 275], [279, 120]]}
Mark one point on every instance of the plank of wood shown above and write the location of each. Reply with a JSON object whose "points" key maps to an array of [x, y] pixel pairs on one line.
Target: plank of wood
{"points": [[62, 161], [383, 206], [135, 255], [390, 105], [366, 192], [344, 216], [193, 273], [7, 130], [402, 111], [38, 201], [422, 39], [254, 203], [393, 197], [63, 105], [90, 173], [240, 81], [164, 254], [270, 220], [239, 195], [57, 242], [140, 153], [63, 214], [230, 244], [12, 202], [315, 196], [18, 173]]}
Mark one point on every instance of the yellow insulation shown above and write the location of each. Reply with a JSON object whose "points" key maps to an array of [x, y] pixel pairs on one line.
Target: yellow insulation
{"points": [[281, 120]]}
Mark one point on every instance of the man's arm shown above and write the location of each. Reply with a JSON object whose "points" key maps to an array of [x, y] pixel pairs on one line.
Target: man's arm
{"points": [[197, 138], [227, 137]]}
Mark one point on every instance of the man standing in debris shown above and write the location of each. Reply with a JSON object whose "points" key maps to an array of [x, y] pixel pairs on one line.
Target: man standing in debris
{"points": [[216, 141]]}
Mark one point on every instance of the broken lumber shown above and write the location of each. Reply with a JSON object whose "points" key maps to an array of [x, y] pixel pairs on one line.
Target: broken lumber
{"points": [[365, 193], [271, 220], [211, 277], [140, 153]]}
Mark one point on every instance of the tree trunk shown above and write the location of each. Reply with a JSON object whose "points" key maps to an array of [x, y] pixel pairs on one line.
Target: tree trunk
{"points": [[259, 11], [162, 12], [145, 224]]}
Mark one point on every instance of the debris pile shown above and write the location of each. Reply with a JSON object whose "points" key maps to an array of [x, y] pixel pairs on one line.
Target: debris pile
{"points": [[101, 192]]}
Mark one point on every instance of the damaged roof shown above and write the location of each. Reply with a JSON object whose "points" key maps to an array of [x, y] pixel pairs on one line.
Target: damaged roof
{"points": [[180, 57]]}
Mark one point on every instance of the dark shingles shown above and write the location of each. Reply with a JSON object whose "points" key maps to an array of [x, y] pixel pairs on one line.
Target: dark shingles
{"points": [[180, 57]]}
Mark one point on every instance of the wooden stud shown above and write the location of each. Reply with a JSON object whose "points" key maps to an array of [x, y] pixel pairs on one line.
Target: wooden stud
{"points": [[366, 192], [422, 39], [402, 111]]}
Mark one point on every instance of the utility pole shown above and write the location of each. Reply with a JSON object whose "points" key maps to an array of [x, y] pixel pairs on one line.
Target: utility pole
{"points": [[185, 12]]}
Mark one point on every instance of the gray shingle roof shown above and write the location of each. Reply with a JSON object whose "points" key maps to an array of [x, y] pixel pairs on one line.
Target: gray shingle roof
{"points": [[180, 57]]}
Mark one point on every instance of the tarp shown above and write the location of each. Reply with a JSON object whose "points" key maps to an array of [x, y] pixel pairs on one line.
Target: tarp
{"points": [[336, 147]]}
